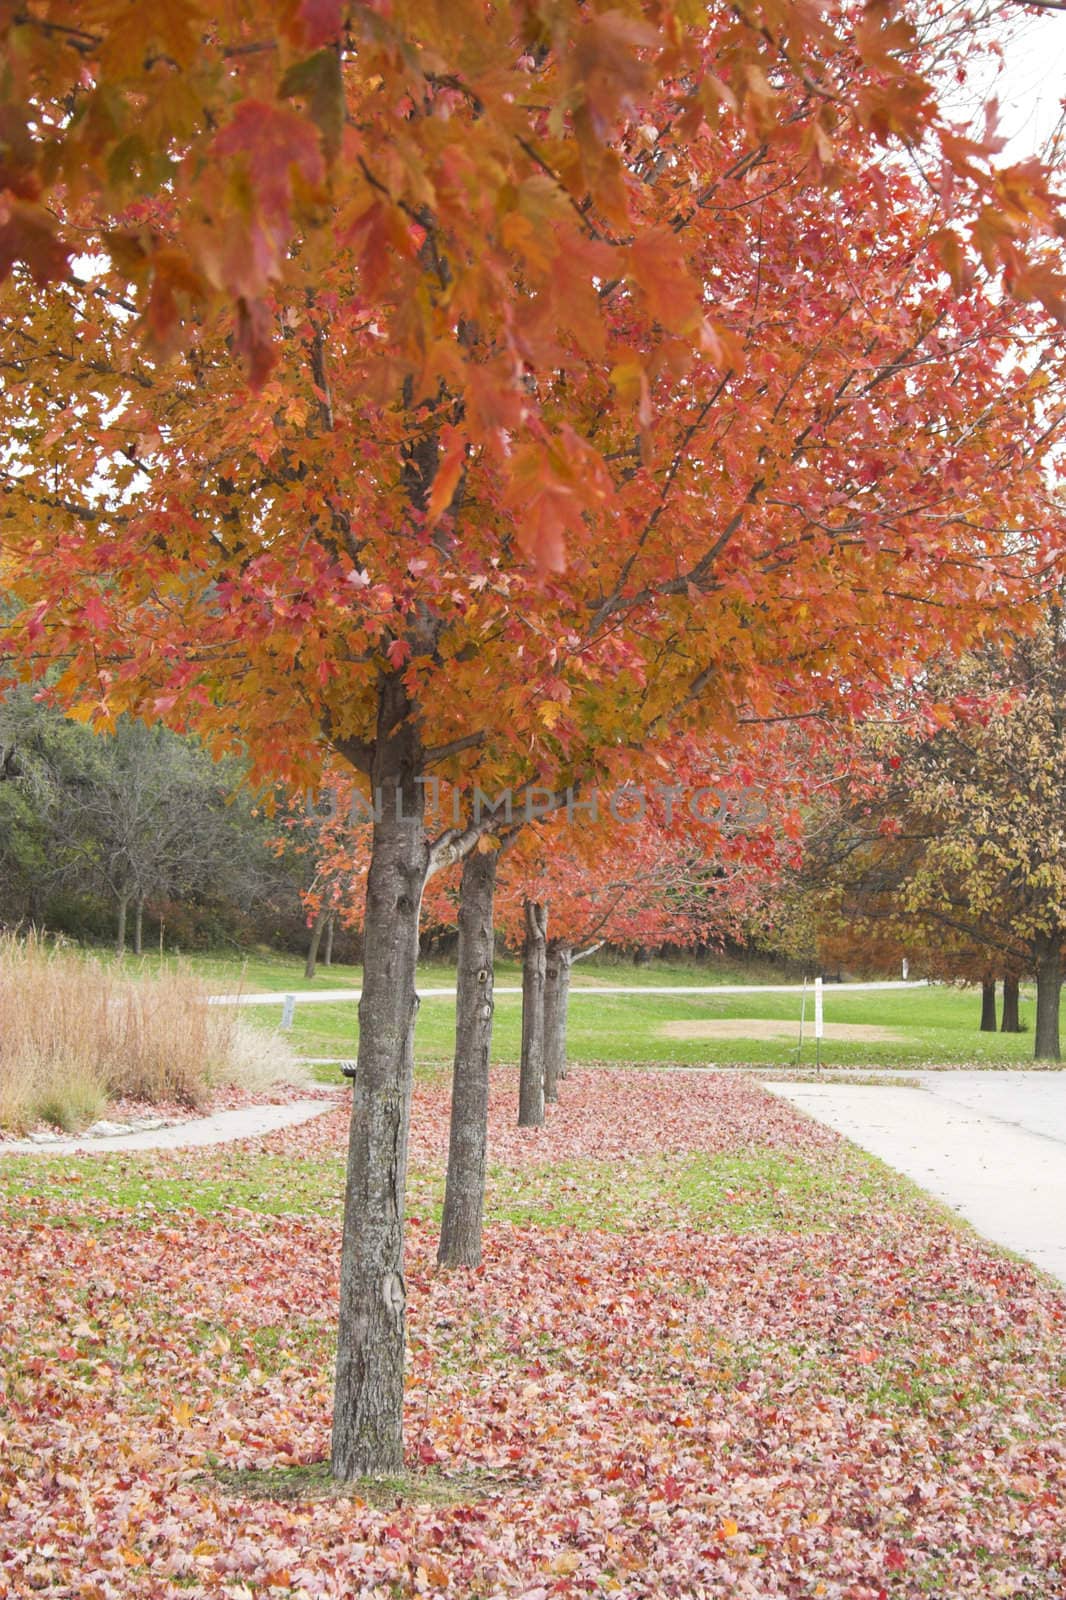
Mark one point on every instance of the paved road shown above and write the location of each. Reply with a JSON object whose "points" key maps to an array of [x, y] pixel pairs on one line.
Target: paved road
{"points": [[247, 1123], [330, 996], [990, 1144]]}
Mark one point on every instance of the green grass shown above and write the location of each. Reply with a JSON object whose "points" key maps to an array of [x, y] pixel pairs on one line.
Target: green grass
{"points": [[930, 1025], [313, 1482], [934, 1025], [153, 1183], [759, 1191], [268, 972]]}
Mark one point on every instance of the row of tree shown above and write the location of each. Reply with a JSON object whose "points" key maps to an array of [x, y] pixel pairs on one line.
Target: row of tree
{"points": [[503, 393]]}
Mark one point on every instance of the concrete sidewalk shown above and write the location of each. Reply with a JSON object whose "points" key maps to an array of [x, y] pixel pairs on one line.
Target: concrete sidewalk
{"points": [[250, 1122], [991, 1145]]}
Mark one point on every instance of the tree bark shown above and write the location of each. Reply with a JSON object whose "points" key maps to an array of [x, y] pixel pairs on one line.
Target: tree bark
{"points": [[988, 1005], [138, 926], [316, 938], [1048, 992], [560, 956], [464, 1192], [120, 928], [531, 1073], [1012, 1020], [368, 1397], [327, 954]]}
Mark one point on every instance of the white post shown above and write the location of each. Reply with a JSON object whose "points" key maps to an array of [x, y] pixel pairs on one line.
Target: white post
{"points": [[904, 966], [287, 1012], [819, 1027]]}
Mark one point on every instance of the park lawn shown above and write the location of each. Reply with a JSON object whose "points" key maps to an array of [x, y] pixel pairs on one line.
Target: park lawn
{"points": [[711, 1350], [932, 1025], [270, 972]]}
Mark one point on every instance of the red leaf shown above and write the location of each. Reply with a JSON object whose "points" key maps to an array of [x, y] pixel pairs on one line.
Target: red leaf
{"points": [[95, 612], [274, 145], [541, 533], [274, 141], [253, 341], [28, 234], [322, 20], [172, 275]]}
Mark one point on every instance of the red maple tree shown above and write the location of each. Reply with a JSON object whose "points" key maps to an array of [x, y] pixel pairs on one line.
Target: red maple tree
{"points": [[639, 295]]}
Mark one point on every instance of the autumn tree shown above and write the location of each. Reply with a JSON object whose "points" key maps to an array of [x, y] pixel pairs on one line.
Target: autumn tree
{"points": [[959, 850], [670, 864], [619, 865], [607, 378], [853, 903], [993, 787], [327, 832]]}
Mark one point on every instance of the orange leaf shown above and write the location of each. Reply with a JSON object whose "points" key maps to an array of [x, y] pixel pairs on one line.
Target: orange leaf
{"points": [[447, 480], [657, 265]]}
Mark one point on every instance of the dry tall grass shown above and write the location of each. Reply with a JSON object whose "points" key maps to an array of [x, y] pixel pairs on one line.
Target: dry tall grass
{"points": [[76, 1032]]}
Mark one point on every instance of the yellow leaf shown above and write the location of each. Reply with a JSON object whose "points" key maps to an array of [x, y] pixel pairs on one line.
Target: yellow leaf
{"points": [[565, 1561], [627, 377]]}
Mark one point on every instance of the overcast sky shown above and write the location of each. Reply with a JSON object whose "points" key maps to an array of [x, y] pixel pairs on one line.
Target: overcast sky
{"points": [[1033, 85]]}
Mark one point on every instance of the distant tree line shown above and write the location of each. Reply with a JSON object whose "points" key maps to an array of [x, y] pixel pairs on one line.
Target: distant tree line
{"points": [[137, 835]]}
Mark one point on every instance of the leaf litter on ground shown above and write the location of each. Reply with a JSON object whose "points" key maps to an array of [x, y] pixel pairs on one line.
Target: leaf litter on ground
{"points": [[855, 1399]]}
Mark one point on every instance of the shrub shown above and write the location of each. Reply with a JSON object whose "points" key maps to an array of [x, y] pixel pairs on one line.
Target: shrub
{"points": [[76, 1032]]}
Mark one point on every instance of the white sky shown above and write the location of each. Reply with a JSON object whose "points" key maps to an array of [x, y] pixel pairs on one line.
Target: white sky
{"points": [[1032, 86]]}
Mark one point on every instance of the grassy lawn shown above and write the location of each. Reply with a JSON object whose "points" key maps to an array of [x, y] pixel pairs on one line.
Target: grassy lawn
{"points": [[711, 1351], [269, 972], [735, 1191], [929, 1025], [934, 1025], [923, 1026]]}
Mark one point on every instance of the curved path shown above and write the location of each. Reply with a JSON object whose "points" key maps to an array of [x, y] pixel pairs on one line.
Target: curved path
{"points": [[249, 1122], [992, 1145]]}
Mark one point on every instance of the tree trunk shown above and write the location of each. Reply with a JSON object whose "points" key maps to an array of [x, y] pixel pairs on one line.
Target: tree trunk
{"points": [[560, 958], [138, 926], [120, 928], [368, 1398], [1012, 1020], [1048, 991], [316, 938], [464, 1193], [534, 961], [327, 954], [988, 1005]]}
